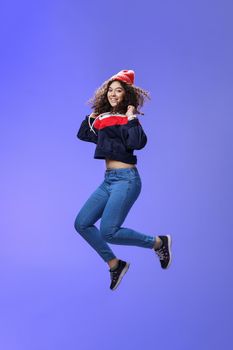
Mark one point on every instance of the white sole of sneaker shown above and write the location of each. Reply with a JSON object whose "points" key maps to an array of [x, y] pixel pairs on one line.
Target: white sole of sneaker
{"points": [[169, 249], [123, 272]]}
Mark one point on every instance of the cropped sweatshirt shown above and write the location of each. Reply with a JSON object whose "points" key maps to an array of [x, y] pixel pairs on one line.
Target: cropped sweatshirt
{"points": [[115, 136]]}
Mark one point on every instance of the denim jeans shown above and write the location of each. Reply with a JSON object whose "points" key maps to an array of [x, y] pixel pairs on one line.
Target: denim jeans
{"points": [[111, 202]]}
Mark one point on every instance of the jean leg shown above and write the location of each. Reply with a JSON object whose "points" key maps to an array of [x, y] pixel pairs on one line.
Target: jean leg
{"points": [[88, 215], [123, 194]]}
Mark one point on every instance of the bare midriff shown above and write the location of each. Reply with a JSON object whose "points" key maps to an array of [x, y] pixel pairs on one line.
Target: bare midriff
{"points": [[116, 164]]}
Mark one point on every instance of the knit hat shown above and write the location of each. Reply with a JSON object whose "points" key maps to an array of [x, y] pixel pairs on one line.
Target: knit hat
{"points": [[124, 75]]}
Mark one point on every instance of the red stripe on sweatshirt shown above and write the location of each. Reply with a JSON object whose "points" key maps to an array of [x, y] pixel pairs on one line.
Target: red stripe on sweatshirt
{"points": [[110, 121]]}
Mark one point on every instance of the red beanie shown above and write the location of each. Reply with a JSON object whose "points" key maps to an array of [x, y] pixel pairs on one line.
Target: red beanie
{"points": [[124, 75]]}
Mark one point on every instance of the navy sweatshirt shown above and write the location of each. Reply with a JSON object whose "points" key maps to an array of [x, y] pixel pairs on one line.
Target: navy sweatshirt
{"points": [[115, 136]]}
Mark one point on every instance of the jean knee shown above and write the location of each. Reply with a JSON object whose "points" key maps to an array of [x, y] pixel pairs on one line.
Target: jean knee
{"points": [[107, 232], [79, 224]]}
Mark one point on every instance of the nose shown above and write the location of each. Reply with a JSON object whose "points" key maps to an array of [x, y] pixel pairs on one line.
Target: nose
{"points": [[112, 93]]}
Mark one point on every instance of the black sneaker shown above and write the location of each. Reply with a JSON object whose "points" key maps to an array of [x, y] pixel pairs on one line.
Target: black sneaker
{"points": [[164, 253], [117, 275]]}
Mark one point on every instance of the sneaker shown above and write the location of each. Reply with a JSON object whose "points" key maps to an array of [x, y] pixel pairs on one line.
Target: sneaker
{"points": [[117, 275], [164, 253]]}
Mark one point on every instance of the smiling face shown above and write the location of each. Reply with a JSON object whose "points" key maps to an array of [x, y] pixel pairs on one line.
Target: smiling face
{"points": [[115, 93]]}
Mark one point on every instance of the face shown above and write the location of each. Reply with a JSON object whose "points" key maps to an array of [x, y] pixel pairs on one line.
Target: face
{"points": [[115, 93]]}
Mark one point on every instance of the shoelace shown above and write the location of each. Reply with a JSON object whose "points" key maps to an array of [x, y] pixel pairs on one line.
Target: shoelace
{"points": [[113, 275], [161, 252]]}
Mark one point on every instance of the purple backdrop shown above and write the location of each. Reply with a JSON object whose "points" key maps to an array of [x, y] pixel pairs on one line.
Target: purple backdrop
{"points": [[54, 288]]}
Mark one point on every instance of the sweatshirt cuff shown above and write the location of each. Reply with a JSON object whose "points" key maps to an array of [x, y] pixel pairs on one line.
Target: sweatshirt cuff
{"points": [[132, 122]]}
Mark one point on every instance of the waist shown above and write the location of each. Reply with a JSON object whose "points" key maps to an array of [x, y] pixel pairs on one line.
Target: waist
{"points": [[122, 170], [116, 164]]}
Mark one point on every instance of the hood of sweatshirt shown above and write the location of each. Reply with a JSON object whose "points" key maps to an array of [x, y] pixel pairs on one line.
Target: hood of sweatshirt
{"points": [[107, 119]]}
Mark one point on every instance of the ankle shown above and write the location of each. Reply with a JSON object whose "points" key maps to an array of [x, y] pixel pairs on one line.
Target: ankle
{"points": [[113, 264], [158, 243]]}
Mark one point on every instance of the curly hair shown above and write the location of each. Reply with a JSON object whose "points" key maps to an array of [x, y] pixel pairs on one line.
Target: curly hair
{"points": [[134, 95]]}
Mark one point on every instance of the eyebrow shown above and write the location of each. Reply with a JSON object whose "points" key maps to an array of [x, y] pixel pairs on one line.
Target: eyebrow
{"points": [[119, 87]]}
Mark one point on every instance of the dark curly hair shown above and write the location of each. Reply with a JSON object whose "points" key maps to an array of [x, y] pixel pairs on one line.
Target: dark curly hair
{"points": [[133, 96]]}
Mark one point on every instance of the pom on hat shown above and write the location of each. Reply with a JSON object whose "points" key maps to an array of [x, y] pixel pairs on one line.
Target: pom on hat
{"points": [[124, 75]]}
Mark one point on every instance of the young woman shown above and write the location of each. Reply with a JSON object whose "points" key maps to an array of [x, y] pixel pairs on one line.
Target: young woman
{"points": [[115, 129]]}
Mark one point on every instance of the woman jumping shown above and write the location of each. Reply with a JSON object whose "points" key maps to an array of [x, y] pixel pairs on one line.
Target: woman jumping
{"points": [[115, 129]]}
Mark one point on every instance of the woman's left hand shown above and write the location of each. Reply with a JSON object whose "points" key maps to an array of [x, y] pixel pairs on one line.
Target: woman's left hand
{"points": [[130, 112]]}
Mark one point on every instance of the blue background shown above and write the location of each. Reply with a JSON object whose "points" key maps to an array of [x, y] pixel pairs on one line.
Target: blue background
{"points": [[54, 288]]}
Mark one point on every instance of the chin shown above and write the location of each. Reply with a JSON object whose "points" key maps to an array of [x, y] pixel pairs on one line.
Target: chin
{"points": [[117, 109], [114, 105]]}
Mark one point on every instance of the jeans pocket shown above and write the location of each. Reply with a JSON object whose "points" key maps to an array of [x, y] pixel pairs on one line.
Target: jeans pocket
{"points": [[136, 181], [139, 182]]}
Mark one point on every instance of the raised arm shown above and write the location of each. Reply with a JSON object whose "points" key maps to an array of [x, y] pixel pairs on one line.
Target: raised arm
{"points": [[134, 135]]}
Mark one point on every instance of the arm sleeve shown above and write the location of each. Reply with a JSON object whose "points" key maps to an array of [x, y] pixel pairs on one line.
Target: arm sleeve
{"points": [[84, 132], [134, 135]]}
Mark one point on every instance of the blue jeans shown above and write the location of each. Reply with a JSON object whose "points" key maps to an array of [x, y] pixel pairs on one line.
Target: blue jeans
{"points": [[111, 202]]}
